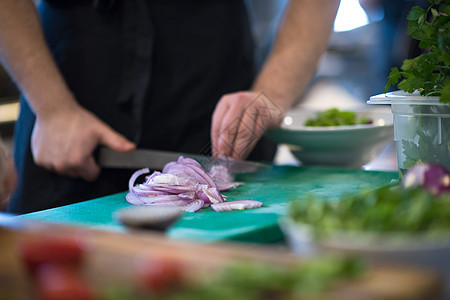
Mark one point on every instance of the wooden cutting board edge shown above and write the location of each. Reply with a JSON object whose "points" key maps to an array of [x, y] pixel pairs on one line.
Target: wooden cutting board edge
{"points": [[112, 257]]}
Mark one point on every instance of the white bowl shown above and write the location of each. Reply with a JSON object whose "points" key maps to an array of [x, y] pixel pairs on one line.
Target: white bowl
{"points": [[423, 251], [352, 145]]}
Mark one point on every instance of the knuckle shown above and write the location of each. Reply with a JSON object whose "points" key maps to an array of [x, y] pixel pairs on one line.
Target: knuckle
{"points": [[38, 157], [74, 161], [59, 166]]}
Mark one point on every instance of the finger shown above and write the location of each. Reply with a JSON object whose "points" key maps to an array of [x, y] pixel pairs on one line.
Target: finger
{"points": [[114, 140], [229, 126], [73, 164], [62, 168], [85, 168], [229, 129], [218, 115], [258, 133], [89, 170], [248, 134]]}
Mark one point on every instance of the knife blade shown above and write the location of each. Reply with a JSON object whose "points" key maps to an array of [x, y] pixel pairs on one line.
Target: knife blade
{"points": [[157, 159]]}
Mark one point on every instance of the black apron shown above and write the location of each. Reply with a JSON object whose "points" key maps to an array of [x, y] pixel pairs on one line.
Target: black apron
{"points": [[152, 69]]}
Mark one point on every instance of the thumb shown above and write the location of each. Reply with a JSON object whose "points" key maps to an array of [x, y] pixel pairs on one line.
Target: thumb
{"points": [[115, 140]]}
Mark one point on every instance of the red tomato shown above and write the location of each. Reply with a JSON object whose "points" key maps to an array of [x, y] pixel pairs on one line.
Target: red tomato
{"points": [[60, 281], [37, 251], [159, 275]]}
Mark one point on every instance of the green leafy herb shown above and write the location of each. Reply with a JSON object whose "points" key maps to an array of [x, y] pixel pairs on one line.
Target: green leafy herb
{"points": [[386, 209], [429, 146], [252, 280], [256, 280], [429, 73], [335, 117]]}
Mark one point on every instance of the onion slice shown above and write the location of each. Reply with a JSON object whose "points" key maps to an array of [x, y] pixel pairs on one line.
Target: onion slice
{"points": [[194, 205], [433, 177], [135, 176], [238, 205], [223, 178]]}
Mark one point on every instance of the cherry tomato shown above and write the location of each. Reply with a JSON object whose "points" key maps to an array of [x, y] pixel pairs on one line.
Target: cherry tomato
{"points": [[158, 275], [37, 251], [60, 281]]}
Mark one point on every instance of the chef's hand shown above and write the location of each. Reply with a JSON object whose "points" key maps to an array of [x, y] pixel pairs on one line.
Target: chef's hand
{"points": [[8, 176], [239, 120], [63, 141]]}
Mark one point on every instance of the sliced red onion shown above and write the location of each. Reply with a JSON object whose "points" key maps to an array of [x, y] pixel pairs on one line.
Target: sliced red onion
{"points": [[222, 177], [187, 196], [190, 169], [168, 179], [433, 177], [147, 193], [188, 161], [135, 176], [203, 196], [174, 189], [146, 190], [133, 199], [162, 199], [182, 183], [239, 205], [212, 194], [228, 186], [194, 205], [153, 175]]}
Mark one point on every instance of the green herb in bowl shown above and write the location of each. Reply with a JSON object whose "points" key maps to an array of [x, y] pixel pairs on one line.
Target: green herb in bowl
{"points": [[383, 210], [406, 223], [336, 117]]}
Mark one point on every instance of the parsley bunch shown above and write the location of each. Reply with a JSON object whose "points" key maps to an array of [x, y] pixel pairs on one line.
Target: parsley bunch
{"points": [[389, 208], [336, 117], [429, 73], [247, 280]]}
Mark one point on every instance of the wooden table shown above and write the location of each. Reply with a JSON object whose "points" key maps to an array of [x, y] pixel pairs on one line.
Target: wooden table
{"points": [[111, 259]]}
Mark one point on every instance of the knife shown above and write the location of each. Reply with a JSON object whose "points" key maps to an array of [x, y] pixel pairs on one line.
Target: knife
{"points": [[157, 159]]}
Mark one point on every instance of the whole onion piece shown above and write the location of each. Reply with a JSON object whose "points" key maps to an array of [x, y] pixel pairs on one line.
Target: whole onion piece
{"points": [[182, 183], [433, 177]]}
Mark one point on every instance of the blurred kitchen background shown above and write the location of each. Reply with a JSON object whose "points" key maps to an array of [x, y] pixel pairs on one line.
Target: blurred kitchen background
{"points": [[369, 38]]}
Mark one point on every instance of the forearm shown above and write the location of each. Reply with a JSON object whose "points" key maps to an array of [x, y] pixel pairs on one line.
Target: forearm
{"points": [[302, 39], [25, 54]]}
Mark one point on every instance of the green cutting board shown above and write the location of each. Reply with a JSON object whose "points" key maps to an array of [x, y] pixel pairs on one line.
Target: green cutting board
{"points": [[274, 188]]}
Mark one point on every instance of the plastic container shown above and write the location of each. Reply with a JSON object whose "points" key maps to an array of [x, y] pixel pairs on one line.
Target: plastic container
{"points": [[421, 128]]}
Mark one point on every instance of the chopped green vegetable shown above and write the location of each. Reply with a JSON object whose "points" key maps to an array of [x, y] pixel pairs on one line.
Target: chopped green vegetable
{"points": [[257, 280], [335, 117], [428, 73], [386, 209], [246, 280]]}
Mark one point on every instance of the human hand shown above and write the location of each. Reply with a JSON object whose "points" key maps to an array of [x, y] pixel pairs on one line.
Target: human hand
{"points": [[239, 120], [64, 142], [8, 176]]}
